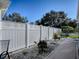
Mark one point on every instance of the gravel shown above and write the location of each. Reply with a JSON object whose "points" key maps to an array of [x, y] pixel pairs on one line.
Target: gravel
{"points": [[32, 53]]}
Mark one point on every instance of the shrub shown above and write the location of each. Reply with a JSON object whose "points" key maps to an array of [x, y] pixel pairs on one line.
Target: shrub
{"points": [[42, 46], [67, 29], [24, 52], [55, 36]]}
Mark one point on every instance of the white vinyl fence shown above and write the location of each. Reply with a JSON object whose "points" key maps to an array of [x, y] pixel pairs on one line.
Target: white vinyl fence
{"points": [[24, 35], [15, 32]]}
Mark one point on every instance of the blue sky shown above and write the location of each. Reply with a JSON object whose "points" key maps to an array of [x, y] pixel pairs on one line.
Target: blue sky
{"points": [[35, 9]]}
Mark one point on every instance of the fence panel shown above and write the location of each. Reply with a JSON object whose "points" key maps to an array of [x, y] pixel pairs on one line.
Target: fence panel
{"points": [[44, 33], [34, 34], [51, 31], [15, 32], [24, 35]]}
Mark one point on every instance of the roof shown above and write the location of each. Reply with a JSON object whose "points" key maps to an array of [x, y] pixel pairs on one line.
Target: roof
{"points": [[4, 4]]}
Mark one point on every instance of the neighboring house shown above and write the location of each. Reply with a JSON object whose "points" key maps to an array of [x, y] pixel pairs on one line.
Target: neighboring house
{"points": [[4, 4], [2, 12]]}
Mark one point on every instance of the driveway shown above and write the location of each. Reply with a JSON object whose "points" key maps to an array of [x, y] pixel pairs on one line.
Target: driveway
{"points": [[66, 50]]}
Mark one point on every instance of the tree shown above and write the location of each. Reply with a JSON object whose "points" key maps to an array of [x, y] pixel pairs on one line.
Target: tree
{"points": [[38, 22], [15, 17], [56, 19], [73, 23], [32, 23], [53, 19]]}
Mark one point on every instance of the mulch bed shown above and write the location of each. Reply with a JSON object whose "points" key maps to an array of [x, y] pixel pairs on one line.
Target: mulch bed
{"points": [[32, 53]]}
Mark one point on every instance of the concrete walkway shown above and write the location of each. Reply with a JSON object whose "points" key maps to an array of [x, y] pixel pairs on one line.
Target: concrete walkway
{"points": [[66, 50]]}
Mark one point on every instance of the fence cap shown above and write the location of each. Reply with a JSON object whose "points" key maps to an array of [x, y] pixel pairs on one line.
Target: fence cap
{"points": [[4, 40]]}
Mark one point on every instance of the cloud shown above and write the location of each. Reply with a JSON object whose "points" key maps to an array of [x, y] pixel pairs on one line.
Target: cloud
{"points": [[4, 3]]}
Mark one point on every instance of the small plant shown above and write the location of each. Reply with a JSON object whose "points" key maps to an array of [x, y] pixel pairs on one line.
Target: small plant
{"points": [[24, 52], [35, 42], [55, 36], [42, 46]]}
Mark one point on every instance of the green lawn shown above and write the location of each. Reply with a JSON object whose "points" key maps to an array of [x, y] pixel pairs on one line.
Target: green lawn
{"points": [[73, 36]]}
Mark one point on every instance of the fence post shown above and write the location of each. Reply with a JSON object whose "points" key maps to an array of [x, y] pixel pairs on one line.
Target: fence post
{"points": [[40, 32], [48, 32], [53, 33], [27, 36]]}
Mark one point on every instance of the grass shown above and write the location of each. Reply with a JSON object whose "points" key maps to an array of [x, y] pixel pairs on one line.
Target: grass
{"points": [[72, 36]]}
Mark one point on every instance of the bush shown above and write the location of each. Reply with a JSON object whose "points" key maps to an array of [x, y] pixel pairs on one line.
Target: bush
{"points": [[68, 29], [24, 52], [56, 36], [42, 46]]}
